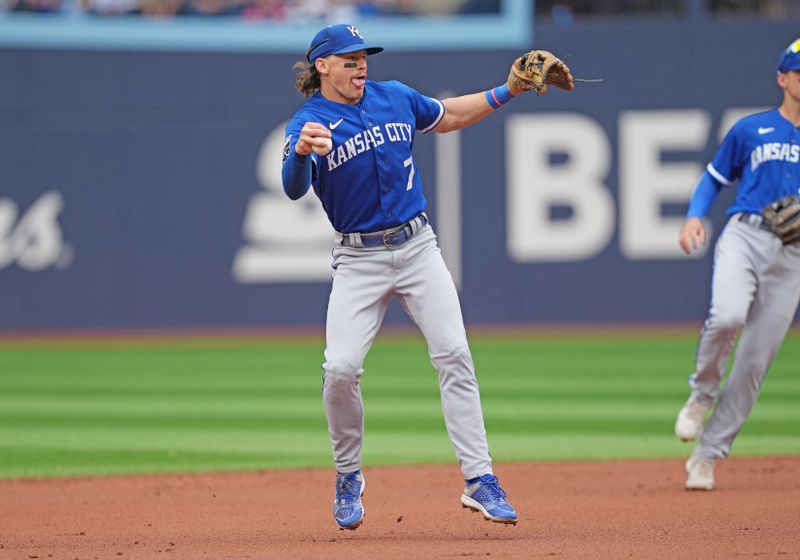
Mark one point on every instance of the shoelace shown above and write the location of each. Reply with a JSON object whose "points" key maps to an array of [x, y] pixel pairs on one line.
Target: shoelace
{"points": [[346, 488], [493, 488]]}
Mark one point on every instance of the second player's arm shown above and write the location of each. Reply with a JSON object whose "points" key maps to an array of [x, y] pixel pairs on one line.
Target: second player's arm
{"points": [[693, 232]]}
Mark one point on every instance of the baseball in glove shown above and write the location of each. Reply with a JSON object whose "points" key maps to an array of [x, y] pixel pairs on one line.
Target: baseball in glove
{"points": [[534, 70], [784, 216]]}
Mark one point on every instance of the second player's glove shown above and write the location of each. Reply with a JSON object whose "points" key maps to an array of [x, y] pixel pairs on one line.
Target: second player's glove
{"points": [[534, 70], [784, 216]]}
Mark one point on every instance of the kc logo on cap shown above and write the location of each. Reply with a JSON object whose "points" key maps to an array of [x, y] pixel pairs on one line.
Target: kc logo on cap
{"points": [[354, 30], [338, 39]]}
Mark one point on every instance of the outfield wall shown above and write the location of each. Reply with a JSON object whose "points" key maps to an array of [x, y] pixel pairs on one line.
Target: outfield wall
{"points": [[141, 189]]}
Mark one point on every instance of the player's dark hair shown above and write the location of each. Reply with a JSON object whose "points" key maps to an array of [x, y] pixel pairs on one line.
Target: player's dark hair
{"points": [[307, 80]]}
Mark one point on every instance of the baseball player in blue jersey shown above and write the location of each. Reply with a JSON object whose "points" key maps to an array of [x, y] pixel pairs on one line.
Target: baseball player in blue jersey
{"points": [[756, 277], [352, 143]]}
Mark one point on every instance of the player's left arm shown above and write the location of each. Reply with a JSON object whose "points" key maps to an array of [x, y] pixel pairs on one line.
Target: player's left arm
{"points": [[533, 71], [462, 111]]}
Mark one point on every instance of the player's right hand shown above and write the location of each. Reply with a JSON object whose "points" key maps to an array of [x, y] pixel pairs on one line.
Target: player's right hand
{"points": [[311, 135], [692, 235]]}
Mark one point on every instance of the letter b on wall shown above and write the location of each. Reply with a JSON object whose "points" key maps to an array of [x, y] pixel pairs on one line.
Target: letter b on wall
{"points": [[555, 161]]}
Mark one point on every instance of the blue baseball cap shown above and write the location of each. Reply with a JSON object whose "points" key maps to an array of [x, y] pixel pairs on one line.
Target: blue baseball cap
{"points": [[790, 58], [338, 39]]}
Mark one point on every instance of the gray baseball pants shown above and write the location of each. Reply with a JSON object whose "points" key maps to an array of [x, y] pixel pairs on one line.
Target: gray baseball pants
{"points": [[364, 281], [755, 290]]}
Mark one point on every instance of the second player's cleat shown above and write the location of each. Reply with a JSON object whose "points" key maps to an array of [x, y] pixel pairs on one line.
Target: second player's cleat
{"points": [[689, 423], [483, 494], [700, 473], [347, 507]]}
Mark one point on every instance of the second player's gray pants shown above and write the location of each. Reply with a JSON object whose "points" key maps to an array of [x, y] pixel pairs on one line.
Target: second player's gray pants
{"points": [[364, 281], [755, 290]]}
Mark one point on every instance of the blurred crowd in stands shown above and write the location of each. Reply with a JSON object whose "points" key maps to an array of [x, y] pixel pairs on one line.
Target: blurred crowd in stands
{"points": [[274, 10], [567, 11], [562, 12]]}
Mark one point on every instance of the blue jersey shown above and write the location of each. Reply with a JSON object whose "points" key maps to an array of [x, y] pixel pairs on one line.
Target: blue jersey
{"points": [[761, 151], [369, 181]]}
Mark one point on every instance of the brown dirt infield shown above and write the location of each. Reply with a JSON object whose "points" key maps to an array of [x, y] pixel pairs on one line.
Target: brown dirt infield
{"points": [[614, 509]]}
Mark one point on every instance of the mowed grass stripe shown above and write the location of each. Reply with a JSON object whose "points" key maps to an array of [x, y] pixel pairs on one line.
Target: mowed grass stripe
{"points": [[383, 424], [261, 413], [158, 405], [211, 440], [508, 390], [141, 409], [68, 462], [62, 451]]}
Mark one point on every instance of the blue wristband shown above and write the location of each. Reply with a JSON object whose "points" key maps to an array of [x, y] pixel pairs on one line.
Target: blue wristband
{"points": [[499, 96]]}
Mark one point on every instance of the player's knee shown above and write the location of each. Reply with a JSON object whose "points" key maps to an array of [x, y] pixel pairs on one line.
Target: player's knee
{"points": [[340, 384], [728, 319], [457, 361], [341, 372]]}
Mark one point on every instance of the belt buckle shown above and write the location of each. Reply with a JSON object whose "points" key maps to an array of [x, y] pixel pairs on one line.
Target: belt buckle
{"points": [[388, 238], [392, 238]]}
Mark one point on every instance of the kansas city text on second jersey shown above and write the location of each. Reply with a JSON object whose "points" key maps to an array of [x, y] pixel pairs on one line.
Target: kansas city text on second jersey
{"points": [[762, 151], [774, 151]]}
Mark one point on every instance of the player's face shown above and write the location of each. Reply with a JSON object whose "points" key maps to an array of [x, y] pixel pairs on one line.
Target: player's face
{"points": [[344, 76], [790, 82]]}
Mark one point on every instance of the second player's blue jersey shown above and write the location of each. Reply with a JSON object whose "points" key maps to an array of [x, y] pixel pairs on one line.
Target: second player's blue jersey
{"points": [[369, 181], [762, 151]]}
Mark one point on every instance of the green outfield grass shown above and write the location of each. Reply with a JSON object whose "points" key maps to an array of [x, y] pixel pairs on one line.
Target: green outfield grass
{"points": [[115, 406]]}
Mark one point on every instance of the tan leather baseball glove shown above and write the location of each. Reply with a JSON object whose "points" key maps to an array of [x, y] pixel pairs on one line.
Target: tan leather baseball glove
{"points": [[534, 70], [784, 216]]}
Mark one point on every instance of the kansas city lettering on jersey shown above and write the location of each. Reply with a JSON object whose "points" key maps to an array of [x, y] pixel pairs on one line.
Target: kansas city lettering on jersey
{"points": [[366, 140], [774, 151]]}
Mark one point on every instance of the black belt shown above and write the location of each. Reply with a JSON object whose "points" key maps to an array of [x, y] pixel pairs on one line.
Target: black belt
{"points": [[755, 220], [392, 237]]}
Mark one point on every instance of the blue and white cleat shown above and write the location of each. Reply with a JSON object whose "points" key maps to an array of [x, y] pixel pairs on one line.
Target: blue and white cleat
{"points": [[347, 508], [483, 494]]}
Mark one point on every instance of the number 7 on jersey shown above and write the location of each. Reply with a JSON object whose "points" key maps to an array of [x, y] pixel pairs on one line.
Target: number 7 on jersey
{"points": [[409, 163]]}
